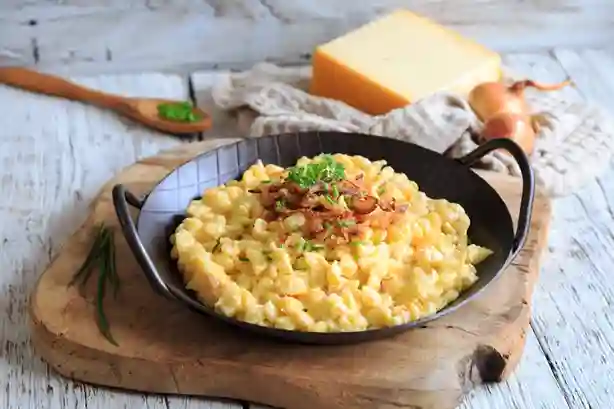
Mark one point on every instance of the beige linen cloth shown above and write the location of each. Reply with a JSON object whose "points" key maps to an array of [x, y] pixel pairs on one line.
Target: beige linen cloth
{"points": [[574, 145]]}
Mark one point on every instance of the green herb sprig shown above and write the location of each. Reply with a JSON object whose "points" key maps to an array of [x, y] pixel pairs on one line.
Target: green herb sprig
{"points": [[178, 111], [347, 223], [326, 170], [101, 257], [307, 246], [335, 191]]}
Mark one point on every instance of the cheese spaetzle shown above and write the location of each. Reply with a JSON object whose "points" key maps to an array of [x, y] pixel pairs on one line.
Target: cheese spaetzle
{"points": [[335, 243]]}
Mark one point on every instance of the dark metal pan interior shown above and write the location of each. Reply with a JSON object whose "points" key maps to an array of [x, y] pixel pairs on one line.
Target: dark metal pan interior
{"points": [[437, 176]]}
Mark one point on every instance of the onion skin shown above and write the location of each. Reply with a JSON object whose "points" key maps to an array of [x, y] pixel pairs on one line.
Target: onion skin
{"points": [[504, 110], [491, 98], [513, 126]]}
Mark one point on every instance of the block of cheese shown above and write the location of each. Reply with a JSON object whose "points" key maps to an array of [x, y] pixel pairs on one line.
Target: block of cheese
{"points": [[398, 59]]}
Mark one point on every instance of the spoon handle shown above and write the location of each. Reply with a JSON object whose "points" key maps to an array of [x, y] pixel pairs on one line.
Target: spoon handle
{"points": [[55, 86]]}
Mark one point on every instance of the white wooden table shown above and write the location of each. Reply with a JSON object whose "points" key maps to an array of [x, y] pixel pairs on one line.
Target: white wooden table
{"points": [[55, 154]]}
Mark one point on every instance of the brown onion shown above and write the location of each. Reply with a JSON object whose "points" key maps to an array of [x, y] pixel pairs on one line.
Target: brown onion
{"points": [[507, 103], [513, 126]]}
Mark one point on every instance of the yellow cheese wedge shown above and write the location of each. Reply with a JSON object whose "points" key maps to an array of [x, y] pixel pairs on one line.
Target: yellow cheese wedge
{"points": [[397, 60]]}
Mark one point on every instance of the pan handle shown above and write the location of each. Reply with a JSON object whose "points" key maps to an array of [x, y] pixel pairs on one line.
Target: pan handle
{"points": [[528, 183], [121, 199]]}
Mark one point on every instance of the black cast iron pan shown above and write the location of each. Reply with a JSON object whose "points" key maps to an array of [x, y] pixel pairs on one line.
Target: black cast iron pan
{"points": [[439, 177]]}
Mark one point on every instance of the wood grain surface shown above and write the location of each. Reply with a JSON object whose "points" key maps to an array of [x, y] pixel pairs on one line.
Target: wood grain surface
{"points": [[142, 110], [575, 296], [54, 157], [110, 36], [56, 154], [165, 348]]}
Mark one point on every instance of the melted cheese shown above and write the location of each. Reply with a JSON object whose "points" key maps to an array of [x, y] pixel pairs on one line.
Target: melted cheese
{"points": [[397, 60]]}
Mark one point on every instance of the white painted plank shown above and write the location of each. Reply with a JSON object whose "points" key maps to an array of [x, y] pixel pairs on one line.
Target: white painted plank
{"points": [[21, 4], [249, 9], [602, 60], [542, 67], [54, 157], [224, 123], [575, 296], [16, 47], [198, 403], [302, 10], [531, 386], [186, 35], [592, 71]]}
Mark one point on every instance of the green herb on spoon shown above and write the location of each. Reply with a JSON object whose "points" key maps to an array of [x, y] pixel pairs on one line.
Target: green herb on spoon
{"points": [[178, 112], [102, 256]]}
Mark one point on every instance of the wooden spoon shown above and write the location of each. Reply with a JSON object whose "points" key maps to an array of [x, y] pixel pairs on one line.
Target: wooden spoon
{"points": [[144, 110]]}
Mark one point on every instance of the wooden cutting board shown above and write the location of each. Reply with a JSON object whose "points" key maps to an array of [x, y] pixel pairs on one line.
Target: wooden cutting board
{"points": [[165, 348]]}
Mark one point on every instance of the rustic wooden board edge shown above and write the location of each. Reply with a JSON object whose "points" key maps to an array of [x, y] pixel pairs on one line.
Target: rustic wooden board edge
{"points": [[491, 363]]}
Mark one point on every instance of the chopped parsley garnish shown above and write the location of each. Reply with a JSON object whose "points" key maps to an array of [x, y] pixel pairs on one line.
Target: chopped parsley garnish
{"points": [[178, 112], [243, 259], [306, 245], [381, 190], [329, 199], [328, 228], [346, 223], [335, 191], [326, 170], [279, 205], [356, 243], [309, 246], [267, 181]]}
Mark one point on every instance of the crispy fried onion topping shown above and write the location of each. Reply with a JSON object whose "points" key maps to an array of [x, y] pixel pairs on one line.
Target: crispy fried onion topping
{"points": [[334, 212]]}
